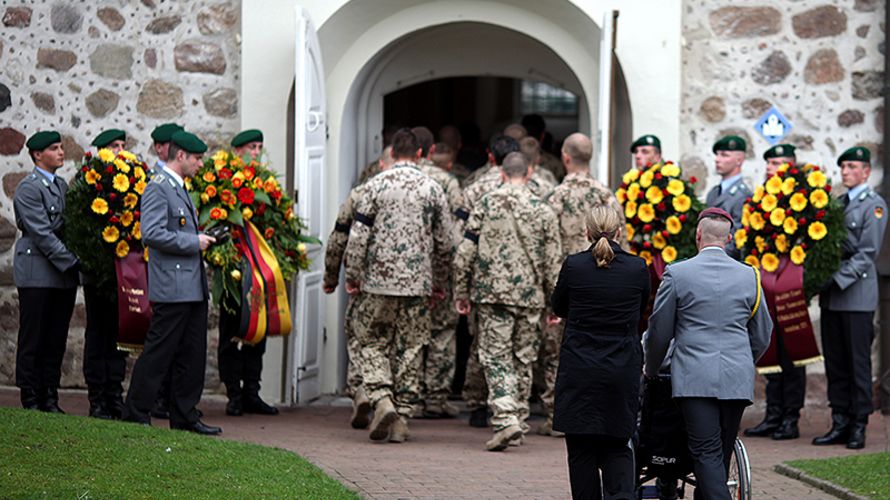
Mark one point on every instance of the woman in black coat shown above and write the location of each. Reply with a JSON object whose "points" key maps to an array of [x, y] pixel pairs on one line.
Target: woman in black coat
{"points": [[601, 293]]}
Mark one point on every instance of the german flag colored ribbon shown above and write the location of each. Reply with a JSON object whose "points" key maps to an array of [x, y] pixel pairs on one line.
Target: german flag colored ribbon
{"points": [[265, 310]]}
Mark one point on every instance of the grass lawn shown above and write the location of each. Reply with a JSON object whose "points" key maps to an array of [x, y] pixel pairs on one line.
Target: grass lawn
{"points": [[867, 475], [61, 456]]}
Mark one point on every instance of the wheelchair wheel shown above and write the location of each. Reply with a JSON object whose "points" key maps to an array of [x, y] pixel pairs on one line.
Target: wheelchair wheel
{"points": [[739, 478]]}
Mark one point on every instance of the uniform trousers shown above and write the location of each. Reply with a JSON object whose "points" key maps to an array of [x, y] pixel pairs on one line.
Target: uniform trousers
{"points": [[551, 340], [712, 426], [392, 332], [44, 315], [353, 349], [588, 455], [508, 348], [238, 361], [846, 344], [786, 390], [474, 391], [177, 341], [439, 355], [104, 365]]}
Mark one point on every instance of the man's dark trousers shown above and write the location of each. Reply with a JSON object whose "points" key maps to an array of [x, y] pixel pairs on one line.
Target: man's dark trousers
{"points": [[712, 426], [44, 314]]}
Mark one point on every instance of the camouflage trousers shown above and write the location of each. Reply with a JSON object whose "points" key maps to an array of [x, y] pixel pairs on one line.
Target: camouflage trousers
{"points": [[438, 371], [508, 348], [548, 362], [475, 391], [392, 332], [353, 349]]}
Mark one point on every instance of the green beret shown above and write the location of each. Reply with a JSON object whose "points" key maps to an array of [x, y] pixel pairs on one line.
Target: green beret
{"points": [[730, 143], [857, 153], [779, 151], [162, 133], [109, 136], [188, 142], [646, 140], [250, 135], [42, 140]]}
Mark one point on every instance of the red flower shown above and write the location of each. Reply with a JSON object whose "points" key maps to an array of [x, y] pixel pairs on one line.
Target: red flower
{"points": [[261, 209], [658, 176], [623, 185], [109, 170], [693, 179], [802, 221], [646, 244], [754, 251], [803, 245], [114, 219], [276, 195], [89, 154], [84, 168], [748, 200], [683, 218], [816, 169], [246, 196], [774, 236], [224, 173], [662, 206], [268, 233], [136, 214], [112, 196], [98, 187], [647, 228], [787, 212], [827, 188], [132, 180], [665, 233], [820, 214]]}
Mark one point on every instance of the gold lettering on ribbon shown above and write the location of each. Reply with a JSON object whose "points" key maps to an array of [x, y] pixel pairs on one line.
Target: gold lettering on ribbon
{"points": [[133, 291]]}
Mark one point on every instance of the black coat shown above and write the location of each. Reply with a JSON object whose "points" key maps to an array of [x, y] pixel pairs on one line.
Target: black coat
{"points": [[601, 358]]}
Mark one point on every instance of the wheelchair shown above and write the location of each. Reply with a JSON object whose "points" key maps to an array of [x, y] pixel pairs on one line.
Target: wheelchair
{"points": [[661, 454]]}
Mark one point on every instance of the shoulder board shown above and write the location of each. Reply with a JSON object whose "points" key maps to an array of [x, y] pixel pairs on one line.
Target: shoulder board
{"points": [[159, 178], [868, 193]]}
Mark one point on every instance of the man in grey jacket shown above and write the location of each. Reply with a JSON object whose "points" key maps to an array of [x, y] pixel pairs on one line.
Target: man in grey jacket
{"points": [[177, 288], [45, 273], [710, 305]]}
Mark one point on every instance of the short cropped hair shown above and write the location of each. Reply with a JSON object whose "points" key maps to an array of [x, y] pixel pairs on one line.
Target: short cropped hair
{"points": [[515, 165], [404, 144], [502, 145]]}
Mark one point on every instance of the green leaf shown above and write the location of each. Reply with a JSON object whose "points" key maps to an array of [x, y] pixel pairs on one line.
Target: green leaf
{"points": [[196, 198], [236, 218], [216, 287], [205, 215], [263, 197]]}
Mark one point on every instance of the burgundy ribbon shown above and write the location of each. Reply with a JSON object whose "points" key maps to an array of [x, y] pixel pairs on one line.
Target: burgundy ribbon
{"points": [[133, 307]]}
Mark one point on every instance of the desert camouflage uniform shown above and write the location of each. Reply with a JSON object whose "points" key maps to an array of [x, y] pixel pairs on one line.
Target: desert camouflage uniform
{"points": [[333, 259], [572, 201], [399, 250], [554, 164], [507, 266], [546, 176], [370, 170], [475, 175]]}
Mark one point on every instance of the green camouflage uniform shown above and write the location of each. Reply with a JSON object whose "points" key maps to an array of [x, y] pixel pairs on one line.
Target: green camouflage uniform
{"points": [[399, 250], [507, 266]]}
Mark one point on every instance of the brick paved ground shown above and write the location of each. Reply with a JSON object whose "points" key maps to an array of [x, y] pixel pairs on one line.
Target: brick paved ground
{"points": [[446, 459]]}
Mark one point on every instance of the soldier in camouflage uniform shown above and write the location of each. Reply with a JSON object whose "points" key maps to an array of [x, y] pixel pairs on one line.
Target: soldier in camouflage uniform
{"points": [[397, 257], [572, 201], [507, 266], [531, 148], [333, 259]]}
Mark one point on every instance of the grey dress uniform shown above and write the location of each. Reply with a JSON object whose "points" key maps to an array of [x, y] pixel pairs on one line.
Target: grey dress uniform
{"points": [[709, 305], [848, 305], [45, 274], [732, 199], [178, 291]]}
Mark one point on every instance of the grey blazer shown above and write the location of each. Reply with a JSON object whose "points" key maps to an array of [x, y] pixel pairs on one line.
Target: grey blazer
{"points": [[857, 278], [41, 259], [170, 230], [704, 304], [732, 200]]}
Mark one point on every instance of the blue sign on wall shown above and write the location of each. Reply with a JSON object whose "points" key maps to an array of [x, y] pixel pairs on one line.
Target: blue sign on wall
{"points": [[772, 126]]}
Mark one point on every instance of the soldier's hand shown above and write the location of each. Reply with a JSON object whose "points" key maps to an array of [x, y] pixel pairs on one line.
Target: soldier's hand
{"points": [[205, 241], [353, 287], [553, 319], [329, 289], [462, 306]]}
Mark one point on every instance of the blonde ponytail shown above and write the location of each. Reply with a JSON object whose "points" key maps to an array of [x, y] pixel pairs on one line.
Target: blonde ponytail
{"points": [[602, 227]]}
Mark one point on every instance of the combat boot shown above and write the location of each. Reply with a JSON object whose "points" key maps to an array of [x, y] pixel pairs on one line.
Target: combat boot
{"points": [[30, 399], [771, 422], [788, 430], [97, 404], [442, 409], [114, 400], [384, 416], [399, 431], [839, 432], [251, 401], [501, 439], [233, 406], [518, 442], [361, 407], [857, 434], [51, 401]]}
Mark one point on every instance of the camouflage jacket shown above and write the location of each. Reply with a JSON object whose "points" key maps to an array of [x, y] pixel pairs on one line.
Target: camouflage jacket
{"points": [[336, 248], [572, 200], [453, 193], [491, 180], [400, 243], [511, 253]]}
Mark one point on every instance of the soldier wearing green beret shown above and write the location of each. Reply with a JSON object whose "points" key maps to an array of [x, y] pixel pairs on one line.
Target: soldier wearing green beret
{"points": [[177, 289], [731, 193], [161, 136], [646, 151], [45, 274], [240, 365], [112, 139], [778, 155], [848, 302]]}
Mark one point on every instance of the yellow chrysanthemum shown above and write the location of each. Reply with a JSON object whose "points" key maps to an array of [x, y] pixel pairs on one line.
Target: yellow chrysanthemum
{"points": [[92, 177], [126, 155], [819, 198], [770, 262], [741, 237], [682, 203], [630, 231], [647, 256], [746, 216], [247, 213], [630, 176], [758, 194], [783, 168], [139, 187], [788, 186], [99, 206], [621, 195], [769, 203], [760, 243], [798, 202], [756, 221], [121, 183], [630, 209], [752, 261], [205, 198], [817, 179], [122, 249], [121, 166], [127, 219], [817, 231], [777, 217], [774, 185], [654, 195], [137, 230], [790, 225], [670, 170], [130, 200], [110, 234], [669, 254], [676, 187], [658, 241], [781, 243], [646, 212], [673, 224], [106, 155], [646, 179], [139, 173], [798, 255], [188, 183], [633, 192]]}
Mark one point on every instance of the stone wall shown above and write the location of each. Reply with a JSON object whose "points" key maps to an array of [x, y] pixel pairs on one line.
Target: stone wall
{"points": [[82, 66], [820, 62]]}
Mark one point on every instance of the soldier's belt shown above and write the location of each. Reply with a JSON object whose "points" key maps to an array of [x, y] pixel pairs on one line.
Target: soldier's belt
{"points": [[364, 219], [462, 214], [342, 228], [471, 236]]}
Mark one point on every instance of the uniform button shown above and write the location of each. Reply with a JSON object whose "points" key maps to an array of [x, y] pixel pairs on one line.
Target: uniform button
{"points": [[29, 251], [177, 266], [865, 275], [853, 224]]}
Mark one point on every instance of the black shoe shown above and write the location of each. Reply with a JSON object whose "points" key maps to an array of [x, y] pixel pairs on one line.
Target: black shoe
{"points": [[198, 427], [51, 402], [771, 422], [838, 434], [253, 404], [98, 408], [234, 407], [114, 404], [30, 399], [479, 418], [857, 436], [788, 430], [161, 409]]}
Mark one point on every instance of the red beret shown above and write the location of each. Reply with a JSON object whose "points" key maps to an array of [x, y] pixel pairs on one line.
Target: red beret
{"points": [[713, 212]]}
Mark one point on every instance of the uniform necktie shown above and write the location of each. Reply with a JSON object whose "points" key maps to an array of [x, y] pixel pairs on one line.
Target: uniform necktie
{"points": [[719, 189], [846, 200]]}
